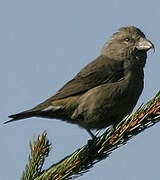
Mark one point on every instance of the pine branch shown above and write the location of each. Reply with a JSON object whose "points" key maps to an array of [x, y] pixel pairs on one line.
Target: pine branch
{"points": [[84, 158], [39, 151]]}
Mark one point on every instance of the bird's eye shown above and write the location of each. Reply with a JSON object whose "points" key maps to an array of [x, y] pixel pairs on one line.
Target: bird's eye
{"points": [[127, 39]]}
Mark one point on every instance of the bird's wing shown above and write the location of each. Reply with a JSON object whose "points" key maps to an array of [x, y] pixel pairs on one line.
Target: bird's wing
{"points": [[100, 71]]}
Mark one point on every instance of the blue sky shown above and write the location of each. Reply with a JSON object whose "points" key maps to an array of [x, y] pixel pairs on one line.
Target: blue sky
{"points": [[43, 45]]}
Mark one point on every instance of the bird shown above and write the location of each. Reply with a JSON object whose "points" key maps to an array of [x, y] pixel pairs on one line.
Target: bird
{"points": [[104, 91]]}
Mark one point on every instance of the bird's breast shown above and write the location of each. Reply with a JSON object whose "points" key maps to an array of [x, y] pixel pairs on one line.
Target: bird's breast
{"points": [[134, 81]]}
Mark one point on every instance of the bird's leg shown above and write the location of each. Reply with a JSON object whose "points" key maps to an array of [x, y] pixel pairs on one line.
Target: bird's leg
{"points": [[92, 135], [91, 146]]}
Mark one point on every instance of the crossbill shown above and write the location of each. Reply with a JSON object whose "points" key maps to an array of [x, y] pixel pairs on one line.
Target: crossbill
{"points": [[104, 91]]}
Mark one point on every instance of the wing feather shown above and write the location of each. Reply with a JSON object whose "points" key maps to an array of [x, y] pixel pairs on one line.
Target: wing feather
{"points": [[100, 71]]}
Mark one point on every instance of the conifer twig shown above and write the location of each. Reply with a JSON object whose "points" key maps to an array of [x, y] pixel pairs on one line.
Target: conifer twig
{"points": [[39, 151], [84, 158]]}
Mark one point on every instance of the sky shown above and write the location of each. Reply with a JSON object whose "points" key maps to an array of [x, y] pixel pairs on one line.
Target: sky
{"points": [[43, 45]]}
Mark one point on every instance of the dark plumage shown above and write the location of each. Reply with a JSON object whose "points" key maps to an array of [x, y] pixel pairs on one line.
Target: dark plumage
{"points": [[104, 91]]}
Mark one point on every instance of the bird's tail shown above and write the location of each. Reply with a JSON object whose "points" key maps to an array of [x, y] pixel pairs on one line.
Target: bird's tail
{"points": [[22, 115]]}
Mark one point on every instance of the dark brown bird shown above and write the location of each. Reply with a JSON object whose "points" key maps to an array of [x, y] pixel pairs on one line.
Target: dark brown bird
{"points": [[104, 91]]}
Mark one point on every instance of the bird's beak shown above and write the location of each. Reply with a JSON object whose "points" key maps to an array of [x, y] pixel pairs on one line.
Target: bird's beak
{"points": [[144, 44]]}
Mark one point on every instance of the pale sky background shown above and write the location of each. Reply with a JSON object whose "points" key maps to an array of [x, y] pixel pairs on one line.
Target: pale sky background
{"points": [[43, 44]]}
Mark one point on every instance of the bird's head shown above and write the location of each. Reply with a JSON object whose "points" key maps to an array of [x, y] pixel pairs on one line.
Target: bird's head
{"points": [[126, 43]]}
